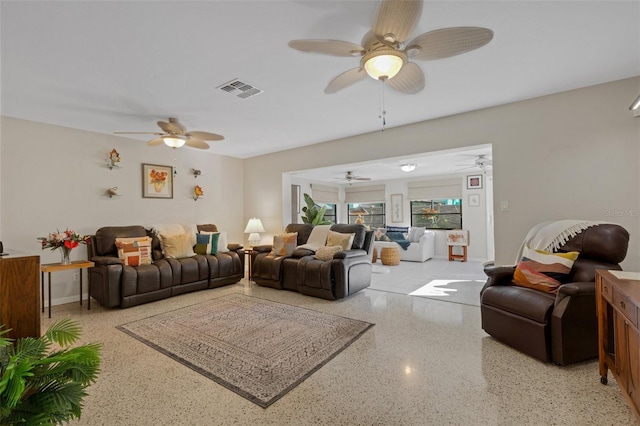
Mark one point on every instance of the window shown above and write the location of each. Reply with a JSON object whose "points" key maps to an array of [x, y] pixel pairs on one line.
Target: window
{"points": [[331, 213], [372, 214], [437, 214]]}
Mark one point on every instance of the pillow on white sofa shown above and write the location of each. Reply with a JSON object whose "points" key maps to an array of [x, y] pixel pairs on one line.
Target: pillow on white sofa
{"points": [[415, 233]]}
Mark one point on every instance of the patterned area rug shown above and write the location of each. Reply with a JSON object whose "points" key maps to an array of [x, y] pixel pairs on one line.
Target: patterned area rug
{"points": [[257, 348]]}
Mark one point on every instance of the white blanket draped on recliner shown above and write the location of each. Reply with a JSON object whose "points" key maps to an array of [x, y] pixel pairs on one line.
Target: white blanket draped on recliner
{"points": [[551, 235]]}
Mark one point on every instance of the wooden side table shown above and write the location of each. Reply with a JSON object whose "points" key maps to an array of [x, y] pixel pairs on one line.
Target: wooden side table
{"points": [[55, 267], [248, 252]]}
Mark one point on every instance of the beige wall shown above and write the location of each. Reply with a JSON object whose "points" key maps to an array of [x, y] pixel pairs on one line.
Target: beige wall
{"points": [[54, 177], [569, 155]]}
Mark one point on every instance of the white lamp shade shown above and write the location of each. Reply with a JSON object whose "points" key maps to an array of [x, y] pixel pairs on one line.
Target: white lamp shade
{"points": [[383, 64], [174, 141], [254, 226]]}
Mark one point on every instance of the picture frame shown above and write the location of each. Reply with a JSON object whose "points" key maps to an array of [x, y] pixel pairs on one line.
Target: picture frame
{"points": [[397, 215], [157, 181], [474, 182], [474, 200], [457, 237]]}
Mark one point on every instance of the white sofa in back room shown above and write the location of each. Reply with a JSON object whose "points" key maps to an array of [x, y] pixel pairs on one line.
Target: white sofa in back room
{"points": [[420, 251]]}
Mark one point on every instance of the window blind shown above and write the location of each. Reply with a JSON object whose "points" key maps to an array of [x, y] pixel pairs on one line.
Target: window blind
{"points": [[365, 194], [435, 189], [325, 194]]}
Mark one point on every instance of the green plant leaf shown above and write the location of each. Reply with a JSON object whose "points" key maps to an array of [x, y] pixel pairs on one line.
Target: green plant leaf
{"points": [[64, 332]]}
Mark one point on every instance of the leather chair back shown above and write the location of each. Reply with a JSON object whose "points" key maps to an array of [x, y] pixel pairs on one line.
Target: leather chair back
{"points": [[104, 241], [601, 247], [303, 230], [359, 230]]}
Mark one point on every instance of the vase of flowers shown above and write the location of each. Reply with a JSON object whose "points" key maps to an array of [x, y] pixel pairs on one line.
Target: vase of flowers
{"points": [[65, 241], [158, 178]]}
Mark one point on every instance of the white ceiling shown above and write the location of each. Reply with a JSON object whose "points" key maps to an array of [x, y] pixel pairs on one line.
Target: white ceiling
{"points": [[123, 65]]}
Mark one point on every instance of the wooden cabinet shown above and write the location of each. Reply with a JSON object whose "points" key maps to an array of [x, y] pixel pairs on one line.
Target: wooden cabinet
{"points": [[618, 307], [20, 294]]}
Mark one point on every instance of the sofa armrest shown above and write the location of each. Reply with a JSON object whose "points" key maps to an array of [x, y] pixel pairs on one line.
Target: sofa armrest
{"points": [[234, 246], [302, 252], [346, 254], [576, 289], [263, 248], [498, 275], [106, 260]]}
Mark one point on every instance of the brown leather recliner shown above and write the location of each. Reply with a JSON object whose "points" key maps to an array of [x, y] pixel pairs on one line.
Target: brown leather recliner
{"points": [[560, 328]]}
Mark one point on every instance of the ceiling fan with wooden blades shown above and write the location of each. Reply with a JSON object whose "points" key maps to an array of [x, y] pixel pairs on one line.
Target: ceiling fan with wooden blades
{"points": [[175, 135], [384, 53]]}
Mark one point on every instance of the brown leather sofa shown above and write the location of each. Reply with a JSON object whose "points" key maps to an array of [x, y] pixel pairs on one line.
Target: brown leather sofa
{"points": [[561, 327], [347, 273], [114, 284]]}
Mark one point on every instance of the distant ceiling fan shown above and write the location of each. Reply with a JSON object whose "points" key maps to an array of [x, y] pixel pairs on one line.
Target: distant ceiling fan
{"points": [[481, 162], [175, 135], [350, 177], [383, 53]]}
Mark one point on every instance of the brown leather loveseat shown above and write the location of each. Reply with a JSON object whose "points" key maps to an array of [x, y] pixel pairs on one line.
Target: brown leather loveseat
{"points": [[347, 273], [561, 327], [114, 284]]}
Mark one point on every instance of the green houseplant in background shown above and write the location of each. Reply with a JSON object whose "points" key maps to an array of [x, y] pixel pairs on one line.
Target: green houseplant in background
{"points": [[313, 213], [43, 384]]}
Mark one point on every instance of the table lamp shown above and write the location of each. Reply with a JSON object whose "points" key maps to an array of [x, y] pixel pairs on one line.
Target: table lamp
{"points": [[254, 227]]}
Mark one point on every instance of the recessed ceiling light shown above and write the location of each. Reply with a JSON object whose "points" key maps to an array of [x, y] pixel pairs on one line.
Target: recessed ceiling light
{"points": [[409, 167]]}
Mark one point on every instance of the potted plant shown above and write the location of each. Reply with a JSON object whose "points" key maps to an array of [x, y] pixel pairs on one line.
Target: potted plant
{"points": [[314, 214], [41, 384]]}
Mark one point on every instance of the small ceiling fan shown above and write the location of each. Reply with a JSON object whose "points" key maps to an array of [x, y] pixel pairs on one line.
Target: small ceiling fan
{"points": [[481, 162], [383, 53], [175, 135], [350, 177]]}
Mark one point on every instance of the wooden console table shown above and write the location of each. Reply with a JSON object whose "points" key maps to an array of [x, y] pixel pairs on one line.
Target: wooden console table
{"points": [[618, 308], [54, 267], [19, 301]]}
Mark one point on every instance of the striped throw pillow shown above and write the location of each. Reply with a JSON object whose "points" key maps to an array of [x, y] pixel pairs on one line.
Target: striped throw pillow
{"points": [[544, 271]]}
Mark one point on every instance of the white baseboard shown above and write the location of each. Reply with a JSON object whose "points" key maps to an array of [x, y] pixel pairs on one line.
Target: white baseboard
{"points": [[65, 300]]}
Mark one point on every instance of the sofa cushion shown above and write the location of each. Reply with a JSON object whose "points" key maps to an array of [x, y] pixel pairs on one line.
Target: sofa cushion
{"points": [[177, 246], [317, 238], [106, 238], [339, 239], [525, 302], [283, 245], [542, 270], [380, 233], [134, 251], [327, 252]]}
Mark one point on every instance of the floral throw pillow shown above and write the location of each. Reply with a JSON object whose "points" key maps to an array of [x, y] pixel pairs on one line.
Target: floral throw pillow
{"points": [[327, 252]]}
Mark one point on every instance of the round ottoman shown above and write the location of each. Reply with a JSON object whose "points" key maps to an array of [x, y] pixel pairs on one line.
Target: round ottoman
{"points": [[390, 256]]}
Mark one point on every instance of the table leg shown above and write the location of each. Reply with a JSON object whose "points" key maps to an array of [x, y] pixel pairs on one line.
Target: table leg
{"points": [[88, 291], [80, 286], [49, 276], [42, 288]]}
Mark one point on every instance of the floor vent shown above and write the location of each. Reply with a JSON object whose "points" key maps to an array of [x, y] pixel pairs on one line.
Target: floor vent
{"points": [[240, 88]]}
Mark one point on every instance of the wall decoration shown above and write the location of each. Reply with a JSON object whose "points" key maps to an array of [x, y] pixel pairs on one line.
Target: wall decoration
{"points": [[197, 192], [114, 159], [457, 237], [396, 208], [474, 182], [474, 200], [112, 192], [157, 181]]}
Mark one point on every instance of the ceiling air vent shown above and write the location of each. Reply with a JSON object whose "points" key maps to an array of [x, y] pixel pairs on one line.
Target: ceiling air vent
{"points": [[240, 88]]}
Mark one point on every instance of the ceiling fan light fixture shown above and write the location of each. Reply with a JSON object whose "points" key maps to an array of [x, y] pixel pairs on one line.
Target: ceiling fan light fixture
{"points": [[413, 50], [174, 141], [383, 64], [409, 167]]}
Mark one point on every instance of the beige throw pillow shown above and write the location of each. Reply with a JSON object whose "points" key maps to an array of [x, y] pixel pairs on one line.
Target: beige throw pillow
{"points": [[339, 239], [327, 252], [177, 246], [283, 245]]}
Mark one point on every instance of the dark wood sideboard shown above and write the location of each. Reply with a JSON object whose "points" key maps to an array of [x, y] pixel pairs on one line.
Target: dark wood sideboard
{"points": [[20, 294], [618, 307]]}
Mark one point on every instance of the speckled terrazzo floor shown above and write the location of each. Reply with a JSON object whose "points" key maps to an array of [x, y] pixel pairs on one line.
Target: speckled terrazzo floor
{"points": [[426, 362]]}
